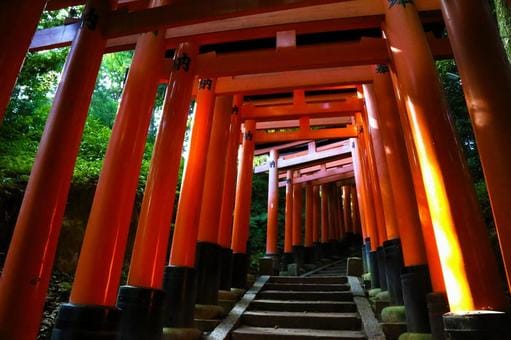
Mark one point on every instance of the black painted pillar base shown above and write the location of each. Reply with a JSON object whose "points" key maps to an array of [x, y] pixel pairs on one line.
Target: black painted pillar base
{"points": [[476, 325], [269, 264], [179, 284], [207, 265], [285, 260], [348, 239], [240, 263], [275, 262], [86, 322], [141, 312], [325, 250], [225, 269], [299, 255], [375, 274], [365, 266], [308, 255], [416, 284], [394, 264], [367, 249], [437, 307], [382, 268], [317, 251]]}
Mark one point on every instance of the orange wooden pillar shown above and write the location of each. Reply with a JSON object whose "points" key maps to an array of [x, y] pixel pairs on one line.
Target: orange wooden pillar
{"points": [[96, 280], [347, 209], [180, 275], [341, 228], [376, 140], [209, 251], [367, 210], [151, 240], [242, 204], [269, 264], [332, 213], [486, 77], [288, 223], [316, 215], [309, 216], [355, 213], [273, 204], [228, 195], [417, 240], [471, 277], [298, 248], [297, 214], [31, 253], [18, 22], [368, 164], [437, 279], [324, 219]]}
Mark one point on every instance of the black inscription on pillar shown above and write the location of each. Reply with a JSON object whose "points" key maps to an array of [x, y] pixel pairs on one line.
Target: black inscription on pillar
{"points": [[205, 84], [248, 135], [183, 61], [360, 129], [399, 2], [353, 145], [382, 68], [90, 19], [288, 180], [272, 164], [235, 110]]}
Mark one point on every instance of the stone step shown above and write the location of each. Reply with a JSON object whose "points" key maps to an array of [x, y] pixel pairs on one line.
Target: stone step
{"points": [[306, 287], [305, 296], [205, 325], [313, 320], [294, 279], [304, 306], [325, 275], [257, 333]]}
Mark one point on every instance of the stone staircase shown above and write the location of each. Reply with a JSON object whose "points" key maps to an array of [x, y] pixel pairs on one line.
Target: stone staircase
{"points": [[319, 305]]}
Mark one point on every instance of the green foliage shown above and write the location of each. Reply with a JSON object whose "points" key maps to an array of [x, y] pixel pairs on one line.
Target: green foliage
{"points": [[460, 117], [503, 16]]}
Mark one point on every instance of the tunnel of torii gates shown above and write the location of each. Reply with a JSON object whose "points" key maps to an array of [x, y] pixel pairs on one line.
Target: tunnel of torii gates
{"points": [[353, 82]]}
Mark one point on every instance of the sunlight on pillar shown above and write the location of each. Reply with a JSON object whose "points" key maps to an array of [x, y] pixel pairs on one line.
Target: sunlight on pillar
{"points": [[453, 268]]}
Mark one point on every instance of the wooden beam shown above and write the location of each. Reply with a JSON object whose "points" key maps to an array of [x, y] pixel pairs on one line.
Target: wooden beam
{"points": [[305, 169], [290, 80], [278, 147], [319, 175], [335, 178], [54, 37], [208, 29], [322, 156], [367, 51], [261, 137], [296, 111], [180, 13], [288, 124]]}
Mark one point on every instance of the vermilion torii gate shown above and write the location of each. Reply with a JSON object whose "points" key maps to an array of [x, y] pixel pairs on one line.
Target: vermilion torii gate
{"points": [[405, 155]]}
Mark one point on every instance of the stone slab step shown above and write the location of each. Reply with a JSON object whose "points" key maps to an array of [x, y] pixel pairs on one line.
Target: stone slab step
{"points": [[306, 286], [257, 333], [305, 296], [339, 321], [206, 325], [294, 279], [301, 306]]}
